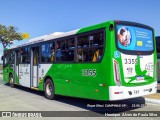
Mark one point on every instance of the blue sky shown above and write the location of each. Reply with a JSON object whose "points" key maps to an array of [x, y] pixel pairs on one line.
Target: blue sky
{"points": [[40, 17]]}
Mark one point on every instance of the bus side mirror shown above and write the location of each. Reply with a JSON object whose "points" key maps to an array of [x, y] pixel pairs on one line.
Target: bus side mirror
{"points": [[2, 58]]}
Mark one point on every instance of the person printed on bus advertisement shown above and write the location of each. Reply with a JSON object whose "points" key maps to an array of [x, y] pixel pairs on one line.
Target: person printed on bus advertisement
{"points": [[124, 36]]}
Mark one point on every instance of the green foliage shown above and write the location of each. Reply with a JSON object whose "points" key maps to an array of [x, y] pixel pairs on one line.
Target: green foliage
{"points": [[8, 35]]}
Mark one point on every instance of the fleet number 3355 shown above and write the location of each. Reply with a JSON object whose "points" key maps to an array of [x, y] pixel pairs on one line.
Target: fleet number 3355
{"points": [[89, 72]]}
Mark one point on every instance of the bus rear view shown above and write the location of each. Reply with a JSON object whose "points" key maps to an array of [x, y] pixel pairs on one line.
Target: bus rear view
{"points": [[113, 60], [134, 61]]}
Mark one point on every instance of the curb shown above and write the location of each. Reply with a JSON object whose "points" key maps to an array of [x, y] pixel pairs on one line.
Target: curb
{"points": [[154, 101]]}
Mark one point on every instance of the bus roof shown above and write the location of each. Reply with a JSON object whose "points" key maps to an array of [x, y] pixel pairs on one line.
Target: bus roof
{"points": [[47, 37], [62, 34]]}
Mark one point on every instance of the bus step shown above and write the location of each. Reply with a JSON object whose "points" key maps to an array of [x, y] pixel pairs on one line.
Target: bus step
{"points": [[34, 88]]}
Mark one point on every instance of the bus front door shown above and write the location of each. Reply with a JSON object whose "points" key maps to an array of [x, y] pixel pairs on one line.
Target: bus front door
{"points": [[34, 66]]}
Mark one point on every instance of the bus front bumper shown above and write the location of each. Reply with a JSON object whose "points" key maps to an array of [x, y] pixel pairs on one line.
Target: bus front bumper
{"points": [[122, 92]]}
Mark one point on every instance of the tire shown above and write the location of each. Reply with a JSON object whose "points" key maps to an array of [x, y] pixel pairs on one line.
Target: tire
{"points": [[11, 81], [49, 89]]}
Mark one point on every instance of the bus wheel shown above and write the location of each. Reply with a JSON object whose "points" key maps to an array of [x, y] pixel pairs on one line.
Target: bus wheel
{"points": [[49, 89], [11, 81]]}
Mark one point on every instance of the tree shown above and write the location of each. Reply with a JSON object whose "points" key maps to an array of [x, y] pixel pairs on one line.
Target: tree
{"points": [[8, 35]]}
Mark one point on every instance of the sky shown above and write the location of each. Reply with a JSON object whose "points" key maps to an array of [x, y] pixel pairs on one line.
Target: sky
{"points": [[41, 17]]}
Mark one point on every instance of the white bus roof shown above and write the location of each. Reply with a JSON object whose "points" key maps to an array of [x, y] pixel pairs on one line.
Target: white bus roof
{"points": [[47, 37]]}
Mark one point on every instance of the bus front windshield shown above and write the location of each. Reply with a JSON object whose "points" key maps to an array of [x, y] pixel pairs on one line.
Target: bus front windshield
{"points": [[133, 38]]}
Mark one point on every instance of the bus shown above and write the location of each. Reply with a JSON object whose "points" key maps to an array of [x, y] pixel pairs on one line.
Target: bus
{"points": [[112, 60]]}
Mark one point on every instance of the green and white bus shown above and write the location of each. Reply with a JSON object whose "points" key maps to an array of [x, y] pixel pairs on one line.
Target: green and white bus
{"points": [[109, 61]]}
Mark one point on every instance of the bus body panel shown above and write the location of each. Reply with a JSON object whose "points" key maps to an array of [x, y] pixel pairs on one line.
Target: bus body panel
{"points": [[123, 92], [24, 75], [76, 82], [139, 73], [42, 70]]}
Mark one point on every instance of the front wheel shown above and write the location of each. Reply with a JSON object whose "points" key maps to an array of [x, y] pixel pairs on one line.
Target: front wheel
{"points": [[49, 89], [11, 81]]}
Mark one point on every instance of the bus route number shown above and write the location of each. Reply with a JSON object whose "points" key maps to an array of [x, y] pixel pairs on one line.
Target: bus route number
{"points": [[89, 72]]}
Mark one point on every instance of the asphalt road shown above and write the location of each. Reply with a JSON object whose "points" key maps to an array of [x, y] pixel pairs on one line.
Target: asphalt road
{"points": [[24, 99]]}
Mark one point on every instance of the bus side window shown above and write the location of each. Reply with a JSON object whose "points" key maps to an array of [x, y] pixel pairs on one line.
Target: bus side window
{"points": [[92, 47], [82, 48], [46, 53], [65, 50], [83, 41], [96, 39], [58, 51], [24, 55], [52, 55], [71, 50], [35, 57], [52, 51], [20, 55]]}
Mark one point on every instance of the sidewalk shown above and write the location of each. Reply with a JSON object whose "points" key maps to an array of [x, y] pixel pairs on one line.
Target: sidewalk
{"points": [[154, 98]]}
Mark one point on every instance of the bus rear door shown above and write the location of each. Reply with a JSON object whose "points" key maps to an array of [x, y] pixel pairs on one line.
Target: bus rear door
{"points": [[34, 66]]}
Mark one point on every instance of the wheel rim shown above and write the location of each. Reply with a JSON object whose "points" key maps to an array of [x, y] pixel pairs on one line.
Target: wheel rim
{"points": [[49, 89], [11, 80]]}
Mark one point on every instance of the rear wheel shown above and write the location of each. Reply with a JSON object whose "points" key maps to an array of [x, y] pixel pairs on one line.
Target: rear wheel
{"points": [[11, 81], [49, 89]]}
